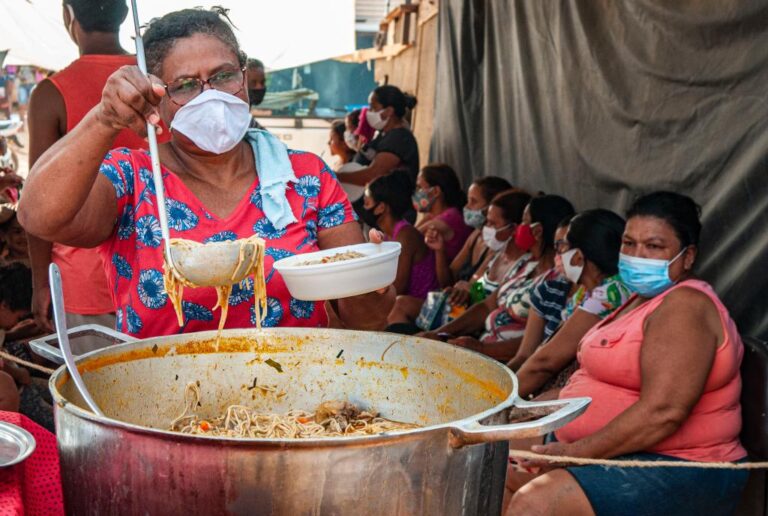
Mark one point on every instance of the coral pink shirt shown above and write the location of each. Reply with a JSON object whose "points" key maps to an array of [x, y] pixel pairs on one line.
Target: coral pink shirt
{"points": [[609, 356], [133, 256]]}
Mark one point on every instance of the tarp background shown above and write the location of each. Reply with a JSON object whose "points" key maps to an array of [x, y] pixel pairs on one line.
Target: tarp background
{"points": [[601, 101]]}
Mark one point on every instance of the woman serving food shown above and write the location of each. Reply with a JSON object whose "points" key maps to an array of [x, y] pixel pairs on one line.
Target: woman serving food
{"points": [[222, 183]]}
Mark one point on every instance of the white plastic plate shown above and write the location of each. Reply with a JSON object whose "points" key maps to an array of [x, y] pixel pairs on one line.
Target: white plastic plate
{"points": [[336, 280]]}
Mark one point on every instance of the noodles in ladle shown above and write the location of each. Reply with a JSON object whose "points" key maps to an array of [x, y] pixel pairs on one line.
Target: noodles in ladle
{"points": [[175, 281]]}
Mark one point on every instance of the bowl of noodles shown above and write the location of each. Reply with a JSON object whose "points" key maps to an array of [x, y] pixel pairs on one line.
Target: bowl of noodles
{"points": [[341, 271]]}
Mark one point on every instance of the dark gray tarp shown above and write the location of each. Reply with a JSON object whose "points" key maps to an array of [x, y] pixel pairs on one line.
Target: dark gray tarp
{"points": [[602, 100]]}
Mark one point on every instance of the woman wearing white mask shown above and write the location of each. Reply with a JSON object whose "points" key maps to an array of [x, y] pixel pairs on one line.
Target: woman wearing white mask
{"points": [[588, 257], [503, 209], [503, 315], [222, 182], [663, 375], [394, 146]]}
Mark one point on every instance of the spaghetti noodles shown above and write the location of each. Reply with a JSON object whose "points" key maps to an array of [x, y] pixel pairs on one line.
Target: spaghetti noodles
{"points": [[175, 282], [330, 419]]}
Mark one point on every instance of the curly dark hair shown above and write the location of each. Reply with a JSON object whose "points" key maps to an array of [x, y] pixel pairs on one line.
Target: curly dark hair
{"points": [[394, 190], [678, 210], [391, 96], [491, 186], [99, 15], [16, 286], [162, 33], [442, 175]]}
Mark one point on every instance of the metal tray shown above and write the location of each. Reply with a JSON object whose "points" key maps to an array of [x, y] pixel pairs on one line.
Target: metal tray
{"points": [[16, 444]]}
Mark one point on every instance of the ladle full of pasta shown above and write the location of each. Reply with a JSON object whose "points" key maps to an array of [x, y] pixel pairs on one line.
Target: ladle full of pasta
{"points": [[187, 263]]}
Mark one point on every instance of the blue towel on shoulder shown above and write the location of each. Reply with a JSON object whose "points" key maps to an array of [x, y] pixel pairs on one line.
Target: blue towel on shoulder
{"points": [[275, 172]]}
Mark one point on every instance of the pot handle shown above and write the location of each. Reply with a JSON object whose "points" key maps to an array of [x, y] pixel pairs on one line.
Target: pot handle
{"points": [[43, 347], [473, 432]]}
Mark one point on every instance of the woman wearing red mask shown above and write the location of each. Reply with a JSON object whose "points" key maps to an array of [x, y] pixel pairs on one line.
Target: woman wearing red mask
{"points": [[500, 319]]}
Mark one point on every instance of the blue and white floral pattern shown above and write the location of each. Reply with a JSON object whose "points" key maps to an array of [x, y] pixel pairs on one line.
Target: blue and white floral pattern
{"points": [[331, 216], [145, 176], [132, 320], [308, 187], [122, 268], [265, 229], [127, 169], [125, 225], [221, 236], [119, 320], [276, 254], [256, 198], [302, 309], [311, 234], [241, 292], [110, 172], [148, 231], [274, 313], [151, 289], [194, 312], [180, 216]]}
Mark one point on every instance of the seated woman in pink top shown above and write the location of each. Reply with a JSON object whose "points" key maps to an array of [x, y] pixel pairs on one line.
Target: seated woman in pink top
{"points": [[386, 201], [663, 375], [440, 200]]}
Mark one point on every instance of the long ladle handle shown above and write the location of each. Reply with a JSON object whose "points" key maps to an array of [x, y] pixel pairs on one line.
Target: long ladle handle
{"points": [[157, 177], [60, 319]]}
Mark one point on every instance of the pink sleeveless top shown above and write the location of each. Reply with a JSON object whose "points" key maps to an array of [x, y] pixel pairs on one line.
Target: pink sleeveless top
{"points": [[609, 356], [423, 278]]}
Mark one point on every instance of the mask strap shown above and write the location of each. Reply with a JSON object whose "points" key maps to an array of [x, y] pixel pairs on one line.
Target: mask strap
{"points": [[673, 260], [502, 229]]}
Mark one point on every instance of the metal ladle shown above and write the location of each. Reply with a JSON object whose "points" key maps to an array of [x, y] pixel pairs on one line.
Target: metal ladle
{"points": [[216, 264], [60, 320]]}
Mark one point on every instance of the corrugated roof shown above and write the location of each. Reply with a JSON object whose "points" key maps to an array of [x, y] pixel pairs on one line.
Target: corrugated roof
{"points": [[371, 12]]}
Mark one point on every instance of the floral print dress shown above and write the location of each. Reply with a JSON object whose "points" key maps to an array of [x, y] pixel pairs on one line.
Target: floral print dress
{"points": [[133, 256]]}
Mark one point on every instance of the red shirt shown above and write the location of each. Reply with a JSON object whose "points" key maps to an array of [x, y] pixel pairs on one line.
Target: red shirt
{"points": [[82, 272], [133, 255]]}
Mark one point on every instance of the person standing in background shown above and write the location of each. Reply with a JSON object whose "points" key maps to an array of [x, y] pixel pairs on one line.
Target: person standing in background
{"points": [[257, 87], [57, 105], [257, 81]]}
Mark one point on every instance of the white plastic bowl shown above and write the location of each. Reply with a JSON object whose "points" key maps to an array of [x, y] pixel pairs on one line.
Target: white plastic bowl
{"points": [[346, 278]]}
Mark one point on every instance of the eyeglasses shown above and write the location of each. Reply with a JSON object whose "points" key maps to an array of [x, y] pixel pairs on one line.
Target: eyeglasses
{"points": [[185, 89]]}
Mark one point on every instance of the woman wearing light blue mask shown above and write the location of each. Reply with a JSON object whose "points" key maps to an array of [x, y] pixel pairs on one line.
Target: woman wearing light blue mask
{"points": [[222, 182], [663, 375]]}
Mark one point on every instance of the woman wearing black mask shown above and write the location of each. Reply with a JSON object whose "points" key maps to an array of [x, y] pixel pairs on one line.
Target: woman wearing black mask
{"points": [[257, 82], [385, 202]]}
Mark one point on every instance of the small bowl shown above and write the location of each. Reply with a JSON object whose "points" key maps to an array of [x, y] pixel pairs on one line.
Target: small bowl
{"points": [[336, 280]]}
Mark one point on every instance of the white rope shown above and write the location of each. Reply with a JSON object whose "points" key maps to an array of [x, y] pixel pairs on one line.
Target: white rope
{"points": [[580, 461]]}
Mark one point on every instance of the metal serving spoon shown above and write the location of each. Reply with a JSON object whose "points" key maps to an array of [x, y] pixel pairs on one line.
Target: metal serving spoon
{"points": [[60, 320], [216, 264]]}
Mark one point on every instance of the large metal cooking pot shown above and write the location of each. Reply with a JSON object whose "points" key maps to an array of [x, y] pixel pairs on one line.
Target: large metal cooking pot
{"points": [[129, 463]]}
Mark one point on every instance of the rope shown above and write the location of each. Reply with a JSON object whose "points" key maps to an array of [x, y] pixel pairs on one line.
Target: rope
{"points": [[23, 362], [580, 461]]}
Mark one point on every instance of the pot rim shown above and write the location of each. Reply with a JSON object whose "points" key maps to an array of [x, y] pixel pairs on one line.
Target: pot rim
{"points": [[170, 340]]}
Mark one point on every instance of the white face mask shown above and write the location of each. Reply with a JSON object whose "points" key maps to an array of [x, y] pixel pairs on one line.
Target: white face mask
{"points": [[493, 243], [350, 140], [375, 119], [572, 272], [215, 121]]}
